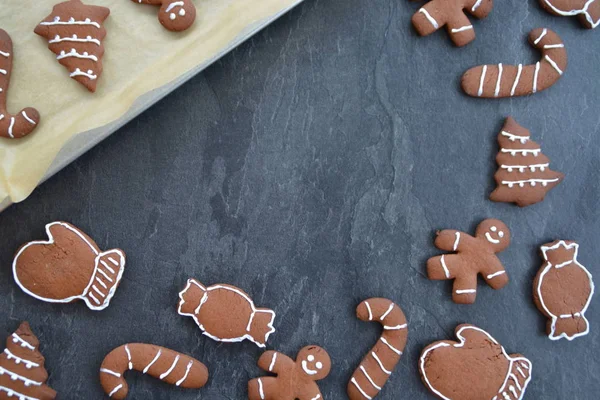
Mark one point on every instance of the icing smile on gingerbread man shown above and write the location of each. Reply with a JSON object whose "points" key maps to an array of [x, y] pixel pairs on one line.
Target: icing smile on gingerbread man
{"points": [[474, 255], [311, 359]]}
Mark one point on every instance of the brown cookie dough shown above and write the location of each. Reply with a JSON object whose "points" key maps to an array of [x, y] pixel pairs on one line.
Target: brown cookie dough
{"points": [[12, 126], [74, 32], [22, 372], [174, 15], [68, 267], [563, 290], [377, 366], [474, 255], [494, 81], [167, 365], [295, 379], [524, 175], [452, 14], [476, 367]]}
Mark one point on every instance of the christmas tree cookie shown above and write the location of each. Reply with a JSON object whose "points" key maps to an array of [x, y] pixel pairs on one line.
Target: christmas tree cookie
{"points": [[74, 31], [524, 175], [22, 372]]}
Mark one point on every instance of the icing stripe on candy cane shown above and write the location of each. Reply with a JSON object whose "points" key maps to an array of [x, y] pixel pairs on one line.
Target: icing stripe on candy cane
{"points": [[501, 80]]}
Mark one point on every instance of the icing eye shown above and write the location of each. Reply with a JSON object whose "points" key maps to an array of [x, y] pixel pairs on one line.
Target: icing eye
{"points": [[182, 12], [493, 229], [172, 16], [501, 234], [319, 365], [310, 358]]}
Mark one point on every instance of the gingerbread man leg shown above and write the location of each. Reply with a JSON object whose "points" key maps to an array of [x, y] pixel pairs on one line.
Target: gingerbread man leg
{"points": [[264, 388], [428, 19], [460, 30], [464, 289]]}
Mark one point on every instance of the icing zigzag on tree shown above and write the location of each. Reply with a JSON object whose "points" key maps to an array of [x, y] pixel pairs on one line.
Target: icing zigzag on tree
{"points": [[524, 175]]}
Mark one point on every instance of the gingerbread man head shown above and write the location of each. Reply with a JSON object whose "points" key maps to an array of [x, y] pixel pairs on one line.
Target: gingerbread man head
{"points": [[177, 15], [495, 232], [315, 362]]}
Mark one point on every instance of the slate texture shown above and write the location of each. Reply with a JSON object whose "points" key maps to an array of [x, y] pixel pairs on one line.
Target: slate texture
{"points": [[311, 167]]}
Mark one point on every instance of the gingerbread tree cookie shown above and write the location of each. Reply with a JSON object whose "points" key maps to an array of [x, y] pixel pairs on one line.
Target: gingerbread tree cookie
{"points": [[21, 124], [74, 31], [22, 372], [451, 13], [296, 379], [474, 255], [524, 175]]}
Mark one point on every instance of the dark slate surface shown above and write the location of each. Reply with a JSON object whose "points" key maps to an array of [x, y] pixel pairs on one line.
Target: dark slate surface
{"points": [[311, 167]]}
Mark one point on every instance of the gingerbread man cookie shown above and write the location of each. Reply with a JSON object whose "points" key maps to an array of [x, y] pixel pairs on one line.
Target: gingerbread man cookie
{"points": [[495, 81], [563, 290], [295, 379], [587, 11], [451, 13], [175, 16], [74, 32], [22, 372], [165, 364], [474, 255], [477, 367], [377, 366], [21, 124]]}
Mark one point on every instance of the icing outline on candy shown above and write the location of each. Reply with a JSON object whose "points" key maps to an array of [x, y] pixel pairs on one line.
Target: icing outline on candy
{"points": [[524, 362], [548, 267], [206, 290], [100, 305]]}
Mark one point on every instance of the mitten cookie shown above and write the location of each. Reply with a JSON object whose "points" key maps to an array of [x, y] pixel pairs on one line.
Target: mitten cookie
{"points": [[474, 255], [562, 291], [226, 313], [524, 175], [174, 15], [295, 379], [21, 124], [588, 11], [74, 31], [512, 80], [476, 368], [377, 366], [22, 372], [68, 267], [167, 365], [451, 13]]}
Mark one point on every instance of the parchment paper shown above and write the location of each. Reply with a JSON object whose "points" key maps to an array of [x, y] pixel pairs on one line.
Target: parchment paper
{"points": [[141, 56]]}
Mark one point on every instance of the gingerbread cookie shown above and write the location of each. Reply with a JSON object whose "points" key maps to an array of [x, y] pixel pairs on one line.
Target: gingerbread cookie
{"points": [[175, 16], [12, 126], [225, 313], [167, 365], [587, 11], [451, 14], [562, 290], [377, 366], [474, 255], [68, 267], [524, 175], [518, 80], [22, 372], [477, 367], [295, 379], [74, 32]]}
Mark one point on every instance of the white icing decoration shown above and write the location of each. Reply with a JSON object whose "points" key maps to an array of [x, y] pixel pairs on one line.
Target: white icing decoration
{"points": [[110, 372], [524, 152], [115, 390], [16, 377], [353, 380], [476, 5], [535, 76], [74, 53], [260, 389], [3, 71], [167, 372], [20, 396], [5, 54], [94, 298], [71, 21], [495, 274], [18, 360], [273, 361], [369, 310], [24, 114], [466, 291], [112, 260], [461, 344], [307, 370], [156, 357], [446, 271], [182, 12], [172, 16], [380, 364], [394, 328], [389, 310], [205, 298], [431, 20], [554, 65], [173, 5], [570, 13], [187, 372], [112, 271], [364, 371], [129, 357], [497, 91], [395, 350], [491, 239], [544, 32], [22, 342], [462, 29], [11, 126], [89, 74], [74, 38], [482, 80], [532, 182], [548, 267], [456, 241], [554, 46], [519, 71], [522, 168]]}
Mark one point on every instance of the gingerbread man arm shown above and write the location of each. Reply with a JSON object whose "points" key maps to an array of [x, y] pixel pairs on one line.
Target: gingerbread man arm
{"points": [[452, 240], [275, 362], [494, 273]]}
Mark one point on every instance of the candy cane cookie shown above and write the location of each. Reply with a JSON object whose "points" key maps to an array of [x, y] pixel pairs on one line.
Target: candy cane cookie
{"points": [[520, 80], [175, 16], [12, 126], [377, 366], [167, 365], [452, 14]]}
